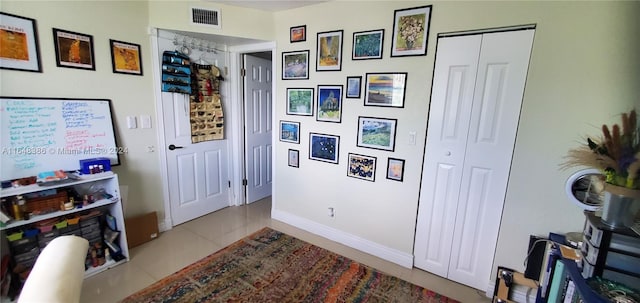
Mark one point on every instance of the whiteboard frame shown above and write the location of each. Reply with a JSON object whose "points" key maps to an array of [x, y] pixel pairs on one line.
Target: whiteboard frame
{"points": [[45, 99]]}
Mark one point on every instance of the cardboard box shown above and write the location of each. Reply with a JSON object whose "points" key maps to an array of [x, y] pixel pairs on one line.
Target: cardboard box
{"points": [[141, 229]]}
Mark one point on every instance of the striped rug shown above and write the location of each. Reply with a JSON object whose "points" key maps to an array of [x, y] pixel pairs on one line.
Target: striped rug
{"points": [[269, 266]]}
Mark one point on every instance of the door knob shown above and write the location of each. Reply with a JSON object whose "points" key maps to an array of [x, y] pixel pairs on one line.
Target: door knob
{"points": [[172, 147], [447, 153]]}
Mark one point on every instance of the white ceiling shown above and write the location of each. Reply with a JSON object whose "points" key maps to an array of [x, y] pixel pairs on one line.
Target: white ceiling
{"points": [[269, 5]]}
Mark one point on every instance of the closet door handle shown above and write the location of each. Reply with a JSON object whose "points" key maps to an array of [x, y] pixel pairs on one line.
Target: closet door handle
{"points": [[172, 147]]}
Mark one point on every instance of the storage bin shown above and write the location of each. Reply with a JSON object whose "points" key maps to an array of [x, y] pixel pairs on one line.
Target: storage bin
{"points": [[22, 257], [61, 224], [23, 245], [15, 236], [45, 228], [73, 221], [31, 232], [48, 235]]}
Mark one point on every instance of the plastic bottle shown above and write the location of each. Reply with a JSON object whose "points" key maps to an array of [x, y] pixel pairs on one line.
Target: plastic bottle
{"points": [[22, 204], [17, 214]]}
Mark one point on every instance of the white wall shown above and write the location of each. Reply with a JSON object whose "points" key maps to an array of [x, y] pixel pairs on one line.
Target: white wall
{"points": [[130, 95], [583, 73]]}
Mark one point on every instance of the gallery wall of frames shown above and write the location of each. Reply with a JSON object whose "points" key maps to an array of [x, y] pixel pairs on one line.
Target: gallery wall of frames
{"points": [[376, 89]]}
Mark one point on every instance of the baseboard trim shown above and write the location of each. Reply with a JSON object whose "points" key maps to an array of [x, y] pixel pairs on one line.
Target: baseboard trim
{"points": [[389, 254], [519, 293]]}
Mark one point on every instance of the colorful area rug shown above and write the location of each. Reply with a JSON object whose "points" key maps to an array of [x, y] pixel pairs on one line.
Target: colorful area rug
{"points": [[269, 266]]}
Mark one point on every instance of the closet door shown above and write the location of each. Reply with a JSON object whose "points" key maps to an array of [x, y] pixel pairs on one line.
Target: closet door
{"points": [[474, 185], [453, 84]]}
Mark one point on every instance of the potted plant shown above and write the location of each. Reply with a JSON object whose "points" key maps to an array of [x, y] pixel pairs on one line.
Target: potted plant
{"points": [[617, 155]]}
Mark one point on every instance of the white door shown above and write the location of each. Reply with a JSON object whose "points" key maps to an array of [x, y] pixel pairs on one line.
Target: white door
{"points": [[258, 127], [472, 126], [198, 173]]}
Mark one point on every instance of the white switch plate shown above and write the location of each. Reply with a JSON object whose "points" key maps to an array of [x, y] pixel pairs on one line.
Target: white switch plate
{"points": [[145, 121], [412, 138], [131, 122]]}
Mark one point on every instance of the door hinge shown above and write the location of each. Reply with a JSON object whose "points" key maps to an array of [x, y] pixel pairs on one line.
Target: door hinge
{"points": [[245, 182], [243, 72], [229, 183]]}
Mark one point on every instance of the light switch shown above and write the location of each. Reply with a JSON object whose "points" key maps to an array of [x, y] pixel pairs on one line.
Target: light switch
{"points": [[145, 121], [131, 122], [412, 138]]}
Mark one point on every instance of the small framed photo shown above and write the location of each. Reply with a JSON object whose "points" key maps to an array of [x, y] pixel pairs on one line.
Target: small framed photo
{"points": [[329, 51], [368, 45], [377, 133], [353, 87], [300, 101], [410, 31], [324, 147], [290, 131], [294, 158], [73, 50], [19, 49], [298, 33], [126, 57], [362, 167], [385, 89], [395, 169], [295, 65], [329, 103]]}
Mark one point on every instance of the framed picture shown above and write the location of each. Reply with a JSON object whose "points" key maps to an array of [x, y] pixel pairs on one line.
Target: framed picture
{"points": [[73, 50], [367, 45], [126, 57], [385, 89], [329, 51], [324, 147], [290, 131], [295, 65], [298, 33], [294, 158], [329, 103], [300, 101], [410, 31], [353, 86], [362, 167], [395, 169], [377, 133], [19, 49]]}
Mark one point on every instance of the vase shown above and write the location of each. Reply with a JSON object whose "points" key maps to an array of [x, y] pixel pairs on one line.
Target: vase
{"points": [[620, 206]]}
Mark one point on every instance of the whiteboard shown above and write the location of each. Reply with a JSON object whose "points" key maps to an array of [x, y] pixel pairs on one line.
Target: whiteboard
{"points": [[45, 134]]}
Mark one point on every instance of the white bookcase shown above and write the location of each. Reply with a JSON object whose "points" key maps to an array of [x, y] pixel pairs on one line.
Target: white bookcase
{"points": [[107, 181]]}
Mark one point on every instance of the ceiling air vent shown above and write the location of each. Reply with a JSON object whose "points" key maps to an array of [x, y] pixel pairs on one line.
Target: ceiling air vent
{"points": [[203, 16]]}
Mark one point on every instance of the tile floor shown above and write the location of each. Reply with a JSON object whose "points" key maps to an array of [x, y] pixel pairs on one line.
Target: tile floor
{"points": [[191, 241]]}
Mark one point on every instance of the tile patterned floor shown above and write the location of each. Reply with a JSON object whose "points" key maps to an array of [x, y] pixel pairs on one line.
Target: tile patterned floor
{"points": [[191, 241]]}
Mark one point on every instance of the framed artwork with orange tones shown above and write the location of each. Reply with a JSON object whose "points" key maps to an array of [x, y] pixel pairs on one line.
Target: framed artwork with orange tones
{"points": [[329, 52], [19, 43], [126, 57], [298, 34], [73, 50]]}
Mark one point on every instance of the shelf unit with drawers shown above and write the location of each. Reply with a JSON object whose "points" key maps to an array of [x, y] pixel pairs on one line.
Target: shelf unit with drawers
{"points": [[106, 182]]}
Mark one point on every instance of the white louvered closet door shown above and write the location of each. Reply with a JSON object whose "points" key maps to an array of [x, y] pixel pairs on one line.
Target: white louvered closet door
{"points": [[475, 107]]}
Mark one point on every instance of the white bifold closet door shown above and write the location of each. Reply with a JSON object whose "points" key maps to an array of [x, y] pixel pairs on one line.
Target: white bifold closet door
{"points": [[475, 107]]}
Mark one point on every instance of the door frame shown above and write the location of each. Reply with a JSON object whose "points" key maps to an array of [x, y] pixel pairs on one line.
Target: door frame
{"points": [[234, 127], [237, 115]]}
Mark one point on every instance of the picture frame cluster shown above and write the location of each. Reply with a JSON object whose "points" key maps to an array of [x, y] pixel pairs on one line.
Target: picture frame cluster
{"points": [[19, 48], [377, 89]]}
